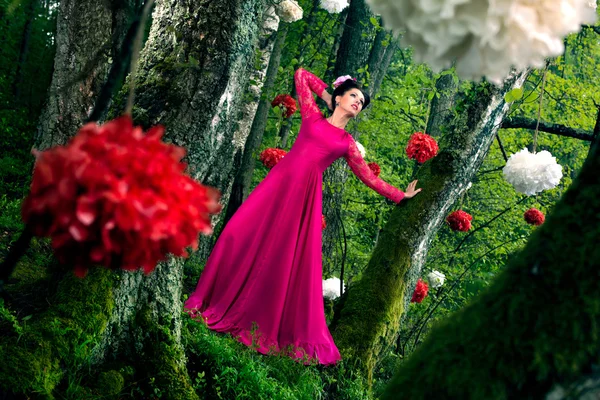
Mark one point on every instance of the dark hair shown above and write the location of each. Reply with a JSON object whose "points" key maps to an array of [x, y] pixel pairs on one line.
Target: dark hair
{"points": [[344, 87]]}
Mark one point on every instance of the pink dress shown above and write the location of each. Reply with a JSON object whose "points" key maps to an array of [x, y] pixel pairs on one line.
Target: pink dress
{"points": [[263, 280]]}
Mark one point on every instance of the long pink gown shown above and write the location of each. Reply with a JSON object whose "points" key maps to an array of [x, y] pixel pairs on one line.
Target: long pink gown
{"points": [[263, 280]]}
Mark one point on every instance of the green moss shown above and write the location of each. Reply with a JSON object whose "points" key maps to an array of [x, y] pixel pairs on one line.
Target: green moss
{"points": [[538, 324], [160, 361], [110, 383], [63, 335]]}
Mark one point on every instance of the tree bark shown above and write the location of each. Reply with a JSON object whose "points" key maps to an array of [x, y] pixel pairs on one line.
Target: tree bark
{"points": [[353, 53], [243, 179], [24, 50], [85, 43], [536, 326], [373, 306], [390, 50], [286, 126], [194, 63]]}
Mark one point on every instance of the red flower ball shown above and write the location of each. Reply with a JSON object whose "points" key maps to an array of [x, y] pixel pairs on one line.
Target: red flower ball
{"points": [[421, 147], [286, 102], [534, 216], [459, 221], [420, 291], [271, 156], [117, 197], [375, 168], [323, 223]]}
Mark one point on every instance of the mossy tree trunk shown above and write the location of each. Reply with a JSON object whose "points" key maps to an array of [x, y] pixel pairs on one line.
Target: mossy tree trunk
{"points": [[88, 36], [243, 178], [372, 308], [536, 327], [196, 61], [192, 68]]}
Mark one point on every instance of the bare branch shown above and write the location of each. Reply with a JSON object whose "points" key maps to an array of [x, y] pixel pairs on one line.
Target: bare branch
{"points": [[555, 129]]}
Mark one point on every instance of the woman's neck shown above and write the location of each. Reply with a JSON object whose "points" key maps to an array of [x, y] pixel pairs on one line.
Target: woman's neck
{"points": [[338, 120]]}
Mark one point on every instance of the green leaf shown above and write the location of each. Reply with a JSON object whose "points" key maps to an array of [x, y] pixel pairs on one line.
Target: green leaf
{"points": [[513, 95]]}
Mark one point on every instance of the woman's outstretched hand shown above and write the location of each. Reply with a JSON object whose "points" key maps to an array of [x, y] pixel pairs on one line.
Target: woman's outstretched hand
{"points": [[411, 190]]}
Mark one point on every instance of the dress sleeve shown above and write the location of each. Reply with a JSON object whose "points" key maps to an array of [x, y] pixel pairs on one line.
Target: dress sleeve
{"points": [[305, 84], [360, 168]]}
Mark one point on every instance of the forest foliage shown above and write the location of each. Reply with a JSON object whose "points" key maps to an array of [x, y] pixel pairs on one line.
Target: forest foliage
{"points": [[563, 93]]}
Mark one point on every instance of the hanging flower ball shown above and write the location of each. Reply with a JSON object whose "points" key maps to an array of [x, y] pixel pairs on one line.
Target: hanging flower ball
{"points": [[484, 37], [421, 147], [331, 288], [271, 156], [459, 221], [334, 6], [375, 168], [361, 150], [420, 291], [117, 197], [531, 173], [289, 11], [436, 279], [286, 102], [323, 222], [534, 216]]}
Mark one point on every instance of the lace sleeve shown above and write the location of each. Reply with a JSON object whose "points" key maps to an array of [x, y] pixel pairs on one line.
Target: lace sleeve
{"points": [[305, 84], [360, 168]]}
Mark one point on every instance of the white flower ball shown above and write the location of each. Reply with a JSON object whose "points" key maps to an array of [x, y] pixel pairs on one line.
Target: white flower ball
{"points": [[484, 37], [334, 6], [331, 288], [361, 150], [436, 279], [530, 173], [289, 11]]}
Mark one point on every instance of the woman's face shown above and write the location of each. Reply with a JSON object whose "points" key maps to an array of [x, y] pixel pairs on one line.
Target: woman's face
{"points": [[351, 102]]}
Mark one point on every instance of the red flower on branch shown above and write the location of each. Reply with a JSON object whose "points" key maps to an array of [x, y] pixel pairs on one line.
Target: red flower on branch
{"points": [[286, 102], [534, 216], [421, 147], [420, 291], [117, 197], [323, 222], [271, 156], [459, 221], [375, 168]]}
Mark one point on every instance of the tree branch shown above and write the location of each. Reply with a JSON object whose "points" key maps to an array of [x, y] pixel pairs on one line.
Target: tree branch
{"points": [[555, 129]]}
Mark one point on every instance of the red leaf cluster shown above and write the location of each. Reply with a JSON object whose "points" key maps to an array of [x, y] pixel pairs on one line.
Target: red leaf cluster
{"points": [[534, 216], [323, 223], [271, 156], [421, 147], [420, 291], [286, 102], [117, 197], [459, 221], [375, 168]]}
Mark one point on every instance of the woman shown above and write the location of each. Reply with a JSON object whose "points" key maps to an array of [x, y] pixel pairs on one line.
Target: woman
{"points": [[263, 280]]}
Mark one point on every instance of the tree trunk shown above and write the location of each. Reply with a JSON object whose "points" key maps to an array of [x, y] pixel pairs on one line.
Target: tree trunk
{"points": [[191, 86], [372, 308], [357, 39], [536, 327], [286, 126], [86, 33], [243, 179], [352, 54], [24, 50], [189, 82], [390, 50]]}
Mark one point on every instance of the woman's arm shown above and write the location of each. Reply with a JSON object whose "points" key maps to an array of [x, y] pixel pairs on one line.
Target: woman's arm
{"points": [[306, 85], [360, 168]]}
